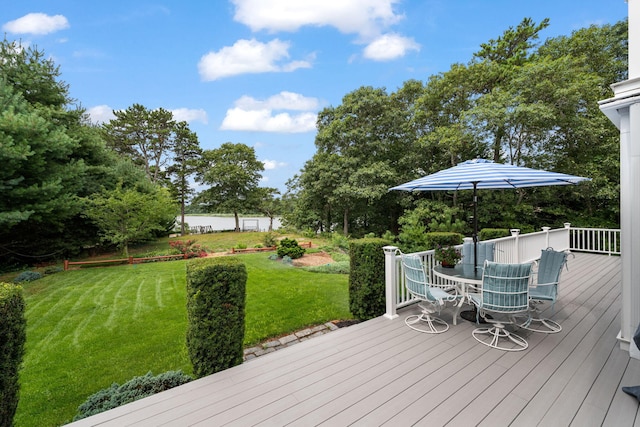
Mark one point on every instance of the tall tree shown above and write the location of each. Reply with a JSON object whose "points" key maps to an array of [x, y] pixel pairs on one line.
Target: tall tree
{"points": [[50, 156], [232, 173], [147, 136], [186, 155]]}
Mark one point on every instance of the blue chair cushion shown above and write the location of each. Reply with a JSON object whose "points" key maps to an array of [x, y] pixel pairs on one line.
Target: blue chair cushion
{"points": [[633, 391]]}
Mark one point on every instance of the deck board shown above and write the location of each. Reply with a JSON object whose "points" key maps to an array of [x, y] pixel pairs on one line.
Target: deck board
{"points": [[380, 372]]}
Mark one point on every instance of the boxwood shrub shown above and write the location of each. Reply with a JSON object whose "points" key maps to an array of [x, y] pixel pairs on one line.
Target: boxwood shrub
{"points": [[366, 278], [291, 248], [132, 390], [216, 289], [13, 327]]}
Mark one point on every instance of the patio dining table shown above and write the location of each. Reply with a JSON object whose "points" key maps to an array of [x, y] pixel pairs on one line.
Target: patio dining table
{"points": [[465, 277]]}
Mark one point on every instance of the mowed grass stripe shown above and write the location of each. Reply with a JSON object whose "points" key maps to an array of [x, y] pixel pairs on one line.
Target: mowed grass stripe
{"points": [[87, 329], [86, 335]]}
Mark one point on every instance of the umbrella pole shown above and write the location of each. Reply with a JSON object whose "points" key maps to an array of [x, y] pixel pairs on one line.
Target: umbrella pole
{"points": [[475, 225]]}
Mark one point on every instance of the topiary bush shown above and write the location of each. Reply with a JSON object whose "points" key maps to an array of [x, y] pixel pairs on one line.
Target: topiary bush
{"points": [[291, 248], [366, 278], [216, 289], [27, 276], [13, 326], [132, 390]]}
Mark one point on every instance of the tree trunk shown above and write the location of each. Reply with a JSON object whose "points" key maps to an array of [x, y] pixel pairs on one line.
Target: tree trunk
{"points": [[345, 223], [235, 214], [182, 215]]}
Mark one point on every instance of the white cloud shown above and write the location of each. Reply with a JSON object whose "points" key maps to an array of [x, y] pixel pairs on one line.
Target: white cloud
{"points": [[250, 114], [190, 115], [248, 56], [101, 114], [265, 121], [363, 17], [282, 101], [390, 46], [273, 164], [36, 23]]}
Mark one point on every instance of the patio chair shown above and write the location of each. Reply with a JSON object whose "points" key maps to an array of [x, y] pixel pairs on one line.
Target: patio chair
{"points": [[545, 289], [432, 297], [486, 252], [505, 293]]}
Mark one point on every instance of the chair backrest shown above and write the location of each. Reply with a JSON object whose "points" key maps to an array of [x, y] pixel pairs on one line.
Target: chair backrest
{"points": [[415, 276], [505, 287], [550, 266], [485, 252]]}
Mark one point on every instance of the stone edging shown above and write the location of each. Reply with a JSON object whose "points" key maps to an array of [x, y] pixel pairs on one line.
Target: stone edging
{"points": [[288, 340]]}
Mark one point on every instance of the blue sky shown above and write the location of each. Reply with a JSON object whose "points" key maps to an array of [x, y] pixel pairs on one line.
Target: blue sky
{"points": [[258, 71]]}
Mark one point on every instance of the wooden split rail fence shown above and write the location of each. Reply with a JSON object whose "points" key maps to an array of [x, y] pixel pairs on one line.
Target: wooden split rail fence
{"points": [[131, 260]]}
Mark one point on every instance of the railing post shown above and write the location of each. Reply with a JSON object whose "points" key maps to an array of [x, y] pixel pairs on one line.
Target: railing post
{"points": [[390, 281], [515, 232], [567, 226], [66, 264], [546, 230]]}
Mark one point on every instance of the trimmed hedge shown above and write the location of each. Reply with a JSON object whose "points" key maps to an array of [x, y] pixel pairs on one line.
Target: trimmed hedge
{"points": [[443, 239], [493, 233], [132, 390], [13, 327], [216, 289], [366, 278]]}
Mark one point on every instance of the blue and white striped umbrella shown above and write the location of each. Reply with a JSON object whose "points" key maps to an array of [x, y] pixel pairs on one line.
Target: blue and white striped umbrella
{"points": [[481, 173]]}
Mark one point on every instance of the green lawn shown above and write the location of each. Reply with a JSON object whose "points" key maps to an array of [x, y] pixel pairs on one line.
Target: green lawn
{"points": [[89, 328]]}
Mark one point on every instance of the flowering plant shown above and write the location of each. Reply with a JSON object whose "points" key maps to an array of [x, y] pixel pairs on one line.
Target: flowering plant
{"points": [[447, 255], [189, 248]]}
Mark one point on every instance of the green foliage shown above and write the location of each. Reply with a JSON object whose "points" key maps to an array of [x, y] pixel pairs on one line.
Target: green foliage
{"points": [[366, 278], [132, 390], [216, 290], [338, 267], [270, 239], [50, 160], [27, 276], [493, 233], [434, 240], [291, 248], [340, 241], [13, 327], [447, 255], [428, 216], [127, 215], [52, 269], [232, 173], [189, 248]]}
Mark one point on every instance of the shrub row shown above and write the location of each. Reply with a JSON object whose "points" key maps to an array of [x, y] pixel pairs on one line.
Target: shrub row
{"points": [[216, 289], [13, 326], [366, 278]]}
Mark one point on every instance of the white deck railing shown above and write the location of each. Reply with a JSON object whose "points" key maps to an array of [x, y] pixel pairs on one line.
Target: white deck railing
{"points": [[512, 249]]}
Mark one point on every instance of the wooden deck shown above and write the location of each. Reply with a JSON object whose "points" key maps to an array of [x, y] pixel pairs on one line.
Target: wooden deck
{"points": [[380, 372]]}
